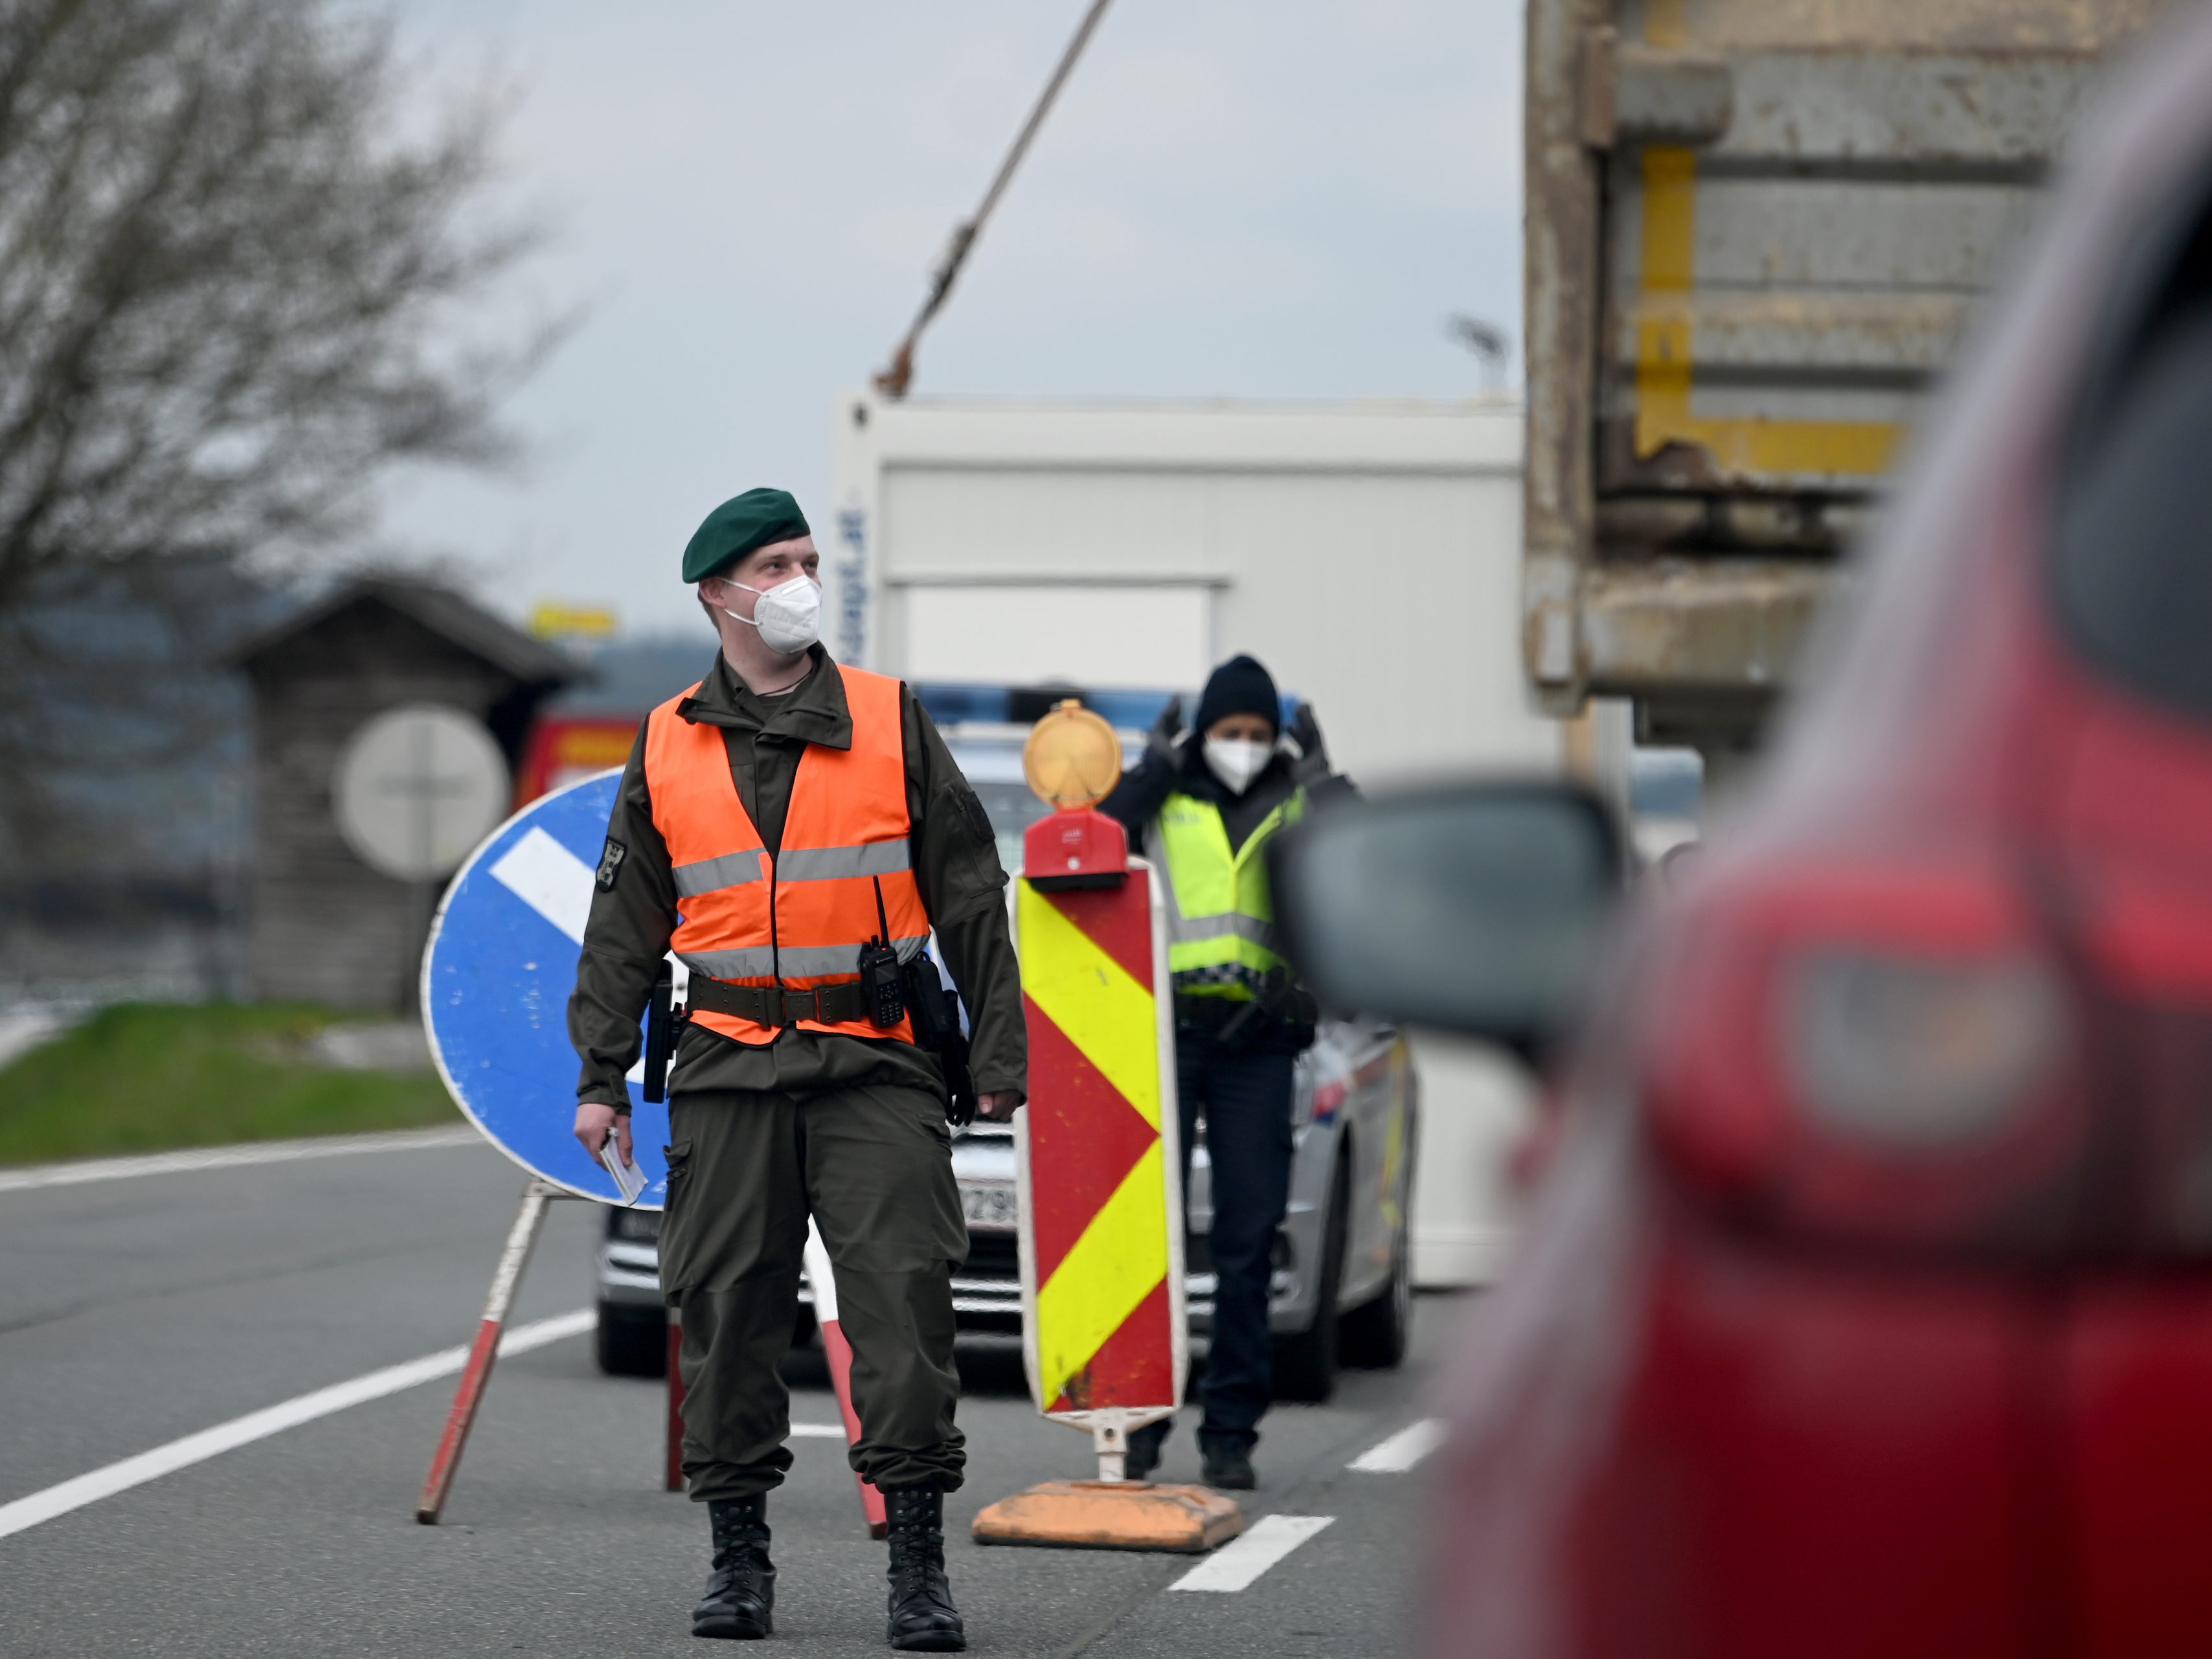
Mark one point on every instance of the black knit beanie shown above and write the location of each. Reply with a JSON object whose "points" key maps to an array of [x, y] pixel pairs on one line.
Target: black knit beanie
{"points": [[1240, 686]]}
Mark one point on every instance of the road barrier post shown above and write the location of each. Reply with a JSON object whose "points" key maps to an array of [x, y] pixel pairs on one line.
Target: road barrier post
{"points": [[822, 1280], [671, 1478], [1098, 1164]]}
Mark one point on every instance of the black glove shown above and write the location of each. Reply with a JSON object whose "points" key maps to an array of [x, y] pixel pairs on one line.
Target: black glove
{"points": [[1312, 764]]}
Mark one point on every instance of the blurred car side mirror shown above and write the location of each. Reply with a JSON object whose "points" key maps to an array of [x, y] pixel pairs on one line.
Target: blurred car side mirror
{"points": [[1471, 907]]}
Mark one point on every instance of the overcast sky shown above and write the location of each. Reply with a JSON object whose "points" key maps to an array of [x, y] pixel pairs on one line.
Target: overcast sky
{"points": [[1272, 198]]}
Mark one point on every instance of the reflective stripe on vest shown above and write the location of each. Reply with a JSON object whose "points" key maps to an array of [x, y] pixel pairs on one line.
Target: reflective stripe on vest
{"points": [[798, 919], [1221, 917]]}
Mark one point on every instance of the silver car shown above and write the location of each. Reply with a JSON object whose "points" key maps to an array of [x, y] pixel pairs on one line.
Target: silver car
{"points": [[1343, 1281]]}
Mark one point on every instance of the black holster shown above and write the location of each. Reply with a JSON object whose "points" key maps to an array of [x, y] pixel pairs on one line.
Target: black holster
{"points": [[662, 1021], [933, 1010]]}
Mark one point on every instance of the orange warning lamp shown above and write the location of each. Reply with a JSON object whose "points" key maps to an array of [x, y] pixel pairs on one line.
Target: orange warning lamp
{"points": [[1072, 760]]}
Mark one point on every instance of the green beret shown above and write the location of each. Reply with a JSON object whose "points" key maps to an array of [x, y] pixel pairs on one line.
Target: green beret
{"points": [[737, 526]]}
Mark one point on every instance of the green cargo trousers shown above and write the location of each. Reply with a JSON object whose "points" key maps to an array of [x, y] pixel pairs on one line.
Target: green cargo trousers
{"points": [[873, 1166]]}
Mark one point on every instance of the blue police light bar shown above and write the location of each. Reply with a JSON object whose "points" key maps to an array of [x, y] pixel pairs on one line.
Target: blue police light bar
{"points": [[952, 702]]}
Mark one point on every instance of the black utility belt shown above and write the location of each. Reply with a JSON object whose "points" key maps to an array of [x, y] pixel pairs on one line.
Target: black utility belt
{"points": [[843, 1004], [887, 992], [1241, 1022], [1192, 1010]]}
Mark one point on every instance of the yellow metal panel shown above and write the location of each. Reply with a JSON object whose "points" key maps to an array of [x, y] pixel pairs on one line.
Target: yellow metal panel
{"points": [[1665, 352]]}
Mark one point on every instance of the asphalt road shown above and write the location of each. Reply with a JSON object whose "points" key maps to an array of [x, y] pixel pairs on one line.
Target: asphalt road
{"points": [[136, 1311]]}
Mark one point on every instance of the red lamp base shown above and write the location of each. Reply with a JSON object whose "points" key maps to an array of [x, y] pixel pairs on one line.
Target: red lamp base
{"points": [[1075, 849]]}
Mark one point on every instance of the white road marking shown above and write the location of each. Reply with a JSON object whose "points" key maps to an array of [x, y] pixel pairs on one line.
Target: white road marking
{"points": [[1237, 1564], [1402, 1450], [27, 1512], [231, 1157], [548, 878], [818, 1432]]}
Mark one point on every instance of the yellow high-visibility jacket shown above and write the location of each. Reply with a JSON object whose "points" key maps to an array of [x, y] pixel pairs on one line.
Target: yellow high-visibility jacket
{"points": [[1221, 916]]}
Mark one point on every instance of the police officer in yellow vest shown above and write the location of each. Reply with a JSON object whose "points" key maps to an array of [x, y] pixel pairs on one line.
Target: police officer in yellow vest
{"points": [[795, 830], [1203, 802]]}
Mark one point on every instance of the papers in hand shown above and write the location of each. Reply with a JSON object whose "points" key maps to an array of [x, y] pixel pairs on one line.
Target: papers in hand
{"points": [[630, 1180]]}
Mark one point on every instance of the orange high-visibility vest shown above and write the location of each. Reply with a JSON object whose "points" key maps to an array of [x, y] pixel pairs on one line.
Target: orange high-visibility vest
{"points": [[798, 919]]}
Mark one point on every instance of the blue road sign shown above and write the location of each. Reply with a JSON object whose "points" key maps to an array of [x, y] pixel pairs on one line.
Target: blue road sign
{"points": [[497, 976]]}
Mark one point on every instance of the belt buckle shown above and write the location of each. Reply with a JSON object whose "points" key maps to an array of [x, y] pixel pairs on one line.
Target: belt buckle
{"points": [[793, 1002]]}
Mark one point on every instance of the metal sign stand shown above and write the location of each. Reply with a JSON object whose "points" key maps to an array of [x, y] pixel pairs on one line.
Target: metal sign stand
{"points": [[506, 1280]]}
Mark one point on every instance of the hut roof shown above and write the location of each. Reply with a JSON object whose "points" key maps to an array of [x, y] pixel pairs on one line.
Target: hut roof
{"points": [[461, 622]]}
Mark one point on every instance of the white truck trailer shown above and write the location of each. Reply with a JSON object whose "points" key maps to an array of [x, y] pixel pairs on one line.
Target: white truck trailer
{"points": [[1368, 552]]}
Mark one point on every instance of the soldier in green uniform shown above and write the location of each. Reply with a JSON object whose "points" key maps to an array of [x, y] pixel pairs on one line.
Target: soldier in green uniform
{"points": [[815, 813]]}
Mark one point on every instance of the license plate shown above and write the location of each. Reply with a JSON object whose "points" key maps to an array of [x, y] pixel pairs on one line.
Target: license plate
{"points": [[989, 1207]]}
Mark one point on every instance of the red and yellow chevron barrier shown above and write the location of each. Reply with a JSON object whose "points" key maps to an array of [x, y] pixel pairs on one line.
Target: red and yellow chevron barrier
{"points": [[1102, 1230], [1102, 1317]]}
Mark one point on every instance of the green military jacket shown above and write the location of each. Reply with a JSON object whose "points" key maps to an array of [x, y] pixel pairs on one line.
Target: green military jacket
{"points": [[956, 865]]}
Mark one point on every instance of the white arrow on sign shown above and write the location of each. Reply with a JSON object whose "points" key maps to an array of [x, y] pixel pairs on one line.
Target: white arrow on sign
{"points": [[548, 878], [558, 884]]}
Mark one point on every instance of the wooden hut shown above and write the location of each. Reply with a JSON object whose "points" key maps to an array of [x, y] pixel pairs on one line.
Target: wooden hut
{"points": [[322, 925]]}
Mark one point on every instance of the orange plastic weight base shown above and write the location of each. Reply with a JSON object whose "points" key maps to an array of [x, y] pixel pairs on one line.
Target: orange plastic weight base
{"points": [[1112, 1514]]}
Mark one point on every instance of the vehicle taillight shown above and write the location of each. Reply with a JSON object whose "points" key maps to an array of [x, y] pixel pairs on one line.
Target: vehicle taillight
{"points": [[1871, 1055], [1320, 1103], [1918, 1054]]}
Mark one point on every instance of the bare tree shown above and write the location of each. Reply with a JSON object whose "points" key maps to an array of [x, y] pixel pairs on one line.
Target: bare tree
{"points": [[236, 265]]}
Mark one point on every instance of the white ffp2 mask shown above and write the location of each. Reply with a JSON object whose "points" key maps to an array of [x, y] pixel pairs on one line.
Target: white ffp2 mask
{"points": [[1237, 761], [788, 615]]}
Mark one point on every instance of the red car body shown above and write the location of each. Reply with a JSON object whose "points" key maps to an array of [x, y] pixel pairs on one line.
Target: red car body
{"points": [[1866, 1308]]}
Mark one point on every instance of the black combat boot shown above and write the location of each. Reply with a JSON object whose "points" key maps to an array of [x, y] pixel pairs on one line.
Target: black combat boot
{"points": [[740, 1601], [1228, 1465], [923, 1617]]}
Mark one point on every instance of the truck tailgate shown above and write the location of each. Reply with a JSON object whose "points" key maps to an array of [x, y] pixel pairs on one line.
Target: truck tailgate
{"points": [[1756, 231]]}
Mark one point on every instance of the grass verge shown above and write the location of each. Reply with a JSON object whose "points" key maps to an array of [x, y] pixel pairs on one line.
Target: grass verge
{"points": [[148, 1077]]}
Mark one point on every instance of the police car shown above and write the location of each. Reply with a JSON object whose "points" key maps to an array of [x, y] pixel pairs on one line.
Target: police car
{"points": [[1343, 1279]]}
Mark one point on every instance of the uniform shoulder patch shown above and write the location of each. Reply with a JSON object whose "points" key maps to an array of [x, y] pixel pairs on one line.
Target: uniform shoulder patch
{"points": [[610, 863], [971, 808]]}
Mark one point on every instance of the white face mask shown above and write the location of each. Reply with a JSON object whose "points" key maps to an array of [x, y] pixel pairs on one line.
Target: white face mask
{"points": [[1237, 761], [788, 615]]}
